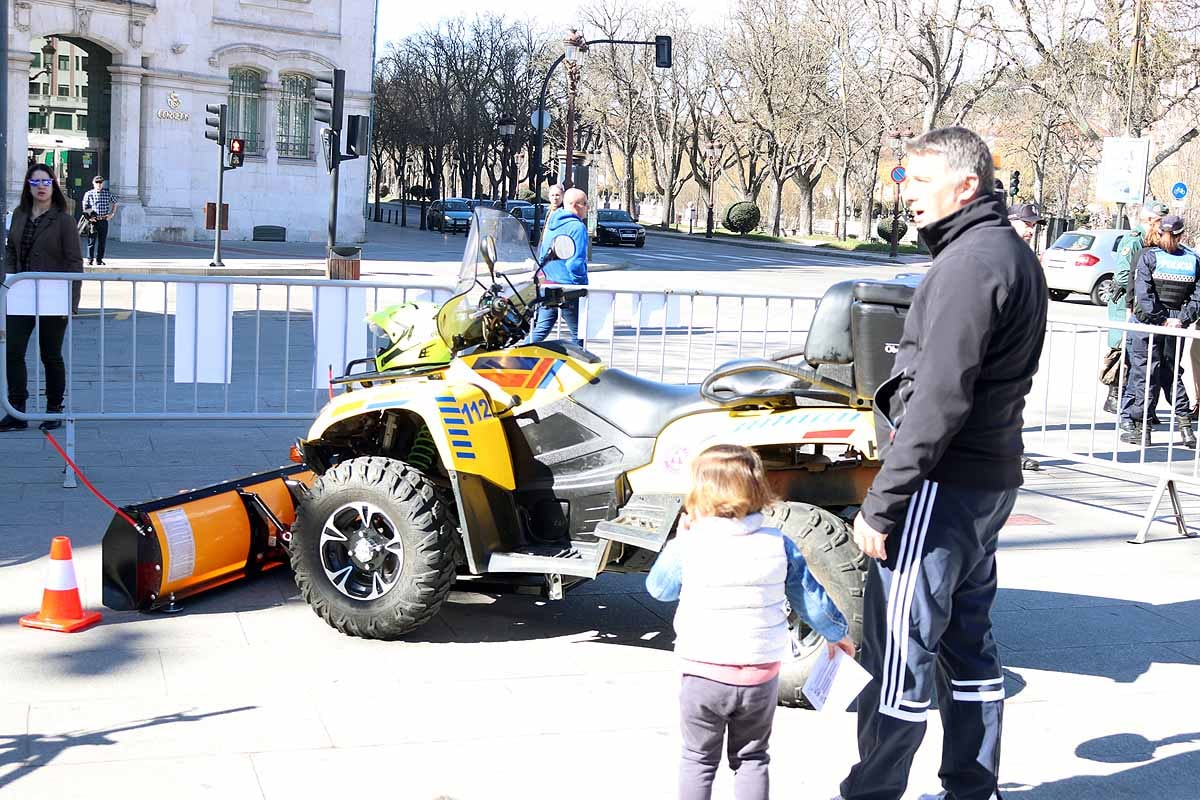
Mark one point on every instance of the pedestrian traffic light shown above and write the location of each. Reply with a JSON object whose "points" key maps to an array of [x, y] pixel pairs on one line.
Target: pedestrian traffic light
{"points": [[215, 125], [237, 152], [662, 51], [1014, 183], [357, 126], [330, 100]]}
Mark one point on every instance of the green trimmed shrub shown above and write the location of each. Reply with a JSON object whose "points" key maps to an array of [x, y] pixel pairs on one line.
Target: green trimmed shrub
{"points": [[742, 217], [884, 229]]}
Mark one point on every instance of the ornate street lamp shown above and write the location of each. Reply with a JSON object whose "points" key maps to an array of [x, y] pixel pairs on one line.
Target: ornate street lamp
{"points": [[576, 53], [712, 152], [896, 140], [507, 127]]}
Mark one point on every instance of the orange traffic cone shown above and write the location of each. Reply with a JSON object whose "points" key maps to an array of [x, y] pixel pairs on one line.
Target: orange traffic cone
{"points": [[61, 608]]}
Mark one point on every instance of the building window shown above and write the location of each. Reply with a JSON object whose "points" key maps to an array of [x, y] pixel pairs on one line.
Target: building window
{"points": [[83, 63], [245, 95], [83, 90], [295, 117], [64, 90], [35, 88], [62, 122], [37, 60], [37, 121], [64, 62], [81, 122]]}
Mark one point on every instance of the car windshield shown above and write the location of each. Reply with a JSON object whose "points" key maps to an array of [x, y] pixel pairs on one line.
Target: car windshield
{"points": [[457, 322], [613, 215], [1075, 241], [457, 205]]}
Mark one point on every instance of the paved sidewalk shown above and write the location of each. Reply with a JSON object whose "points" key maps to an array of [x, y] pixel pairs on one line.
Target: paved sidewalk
{"points": [[247, 694]]}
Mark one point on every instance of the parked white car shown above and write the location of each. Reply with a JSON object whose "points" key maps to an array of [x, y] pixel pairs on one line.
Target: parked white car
{"points": [[1082, 261]]}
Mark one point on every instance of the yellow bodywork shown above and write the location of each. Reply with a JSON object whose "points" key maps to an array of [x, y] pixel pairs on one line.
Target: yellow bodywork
{"points": [[463, 420]]}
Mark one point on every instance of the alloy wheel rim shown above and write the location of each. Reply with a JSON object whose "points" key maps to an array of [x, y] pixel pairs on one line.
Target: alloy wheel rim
{"points": [[361, 551]]}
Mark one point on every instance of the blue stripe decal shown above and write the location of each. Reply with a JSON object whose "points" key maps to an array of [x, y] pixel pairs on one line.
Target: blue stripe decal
{"points": [[506, 363], [549, 375], [458, 432], [463, 455], [450, 410], [445, 399], [454, 420], [458, 443]]}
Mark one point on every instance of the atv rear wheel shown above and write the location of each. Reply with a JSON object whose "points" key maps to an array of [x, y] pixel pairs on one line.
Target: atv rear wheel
{"points": [[373, 548], [827, 542]]}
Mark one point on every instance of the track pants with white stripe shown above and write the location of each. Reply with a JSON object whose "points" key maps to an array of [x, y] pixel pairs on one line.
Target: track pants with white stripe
{"points": [[927, 622]]}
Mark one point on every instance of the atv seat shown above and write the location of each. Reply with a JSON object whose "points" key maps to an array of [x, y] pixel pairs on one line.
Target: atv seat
{"points": [[766, 383], [636, 406]]}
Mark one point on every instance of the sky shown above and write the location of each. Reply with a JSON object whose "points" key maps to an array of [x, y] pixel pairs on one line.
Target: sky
{"points": [[399, 18]]}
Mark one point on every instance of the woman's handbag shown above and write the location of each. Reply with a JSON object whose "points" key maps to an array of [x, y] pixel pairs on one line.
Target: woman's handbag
{"points": [[86, 228], [1110, 367]]}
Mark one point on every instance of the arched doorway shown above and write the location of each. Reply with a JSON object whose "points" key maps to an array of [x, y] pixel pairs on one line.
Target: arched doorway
{"points": [[70, 111]]}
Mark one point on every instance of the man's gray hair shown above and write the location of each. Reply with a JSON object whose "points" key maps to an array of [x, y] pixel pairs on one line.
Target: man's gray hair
{"points": [[965, 153]]}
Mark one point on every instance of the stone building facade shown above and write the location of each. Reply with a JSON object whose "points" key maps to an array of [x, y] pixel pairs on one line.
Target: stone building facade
{"points": [[119, 88]]}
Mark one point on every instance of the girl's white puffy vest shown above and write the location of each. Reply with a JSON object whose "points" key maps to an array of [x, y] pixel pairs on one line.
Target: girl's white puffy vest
{"points": [[732, 601]]}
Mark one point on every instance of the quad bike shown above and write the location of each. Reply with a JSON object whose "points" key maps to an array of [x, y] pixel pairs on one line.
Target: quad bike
{"points": [[478, 459]]}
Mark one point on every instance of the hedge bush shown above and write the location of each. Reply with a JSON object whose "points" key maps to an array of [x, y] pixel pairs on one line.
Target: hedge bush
{"points": [[742, 217], [884, 229]]}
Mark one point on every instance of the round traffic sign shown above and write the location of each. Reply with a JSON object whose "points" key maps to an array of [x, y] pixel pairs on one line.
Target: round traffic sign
{"points": [[1179, 190], [898, 174], [543, 115]]}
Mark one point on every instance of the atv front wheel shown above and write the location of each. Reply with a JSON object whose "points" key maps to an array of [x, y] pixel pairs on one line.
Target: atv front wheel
{"points": [[827, 543], [373, 548]]}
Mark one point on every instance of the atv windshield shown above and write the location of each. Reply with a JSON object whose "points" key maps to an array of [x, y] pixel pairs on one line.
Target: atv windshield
{"points": [[458, 323]]}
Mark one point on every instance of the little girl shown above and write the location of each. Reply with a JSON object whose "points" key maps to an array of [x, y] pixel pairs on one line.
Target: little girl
{"points": [[731, 576]]}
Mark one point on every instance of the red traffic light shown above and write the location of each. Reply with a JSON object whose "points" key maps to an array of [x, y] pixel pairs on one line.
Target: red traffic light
{"points": [[237, 146]]}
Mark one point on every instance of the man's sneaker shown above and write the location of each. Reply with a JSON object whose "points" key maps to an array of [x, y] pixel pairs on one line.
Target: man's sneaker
{"points": [[91, 262], [100, 262], [1135, 435]]}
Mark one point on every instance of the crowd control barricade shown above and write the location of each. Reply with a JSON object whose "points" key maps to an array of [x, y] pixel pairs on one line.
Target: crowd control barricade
{"points": [[189, 348], [1065, 416]]}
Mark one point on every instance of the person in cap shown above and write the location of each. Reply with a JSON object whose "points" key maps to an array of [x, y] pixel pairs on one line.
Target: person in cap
{"points": [[99, 205], [1120, 296], [1024, 218], [1165, 293]]}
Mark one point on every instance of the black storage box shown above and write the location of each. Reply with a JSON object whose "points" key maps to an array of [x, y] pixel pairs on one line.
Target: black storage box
{"points": [[876, 323]]}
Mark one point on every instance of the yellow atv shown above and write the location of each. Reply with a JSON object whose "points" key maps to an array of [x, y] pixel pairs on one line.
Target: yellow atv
{"points": [[534, 464]]}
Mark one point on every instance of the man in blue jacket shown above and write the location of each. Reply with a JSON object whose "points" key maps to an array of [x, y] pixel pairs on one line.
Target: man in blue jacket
{"points": [[952, 464], [572, 272]]}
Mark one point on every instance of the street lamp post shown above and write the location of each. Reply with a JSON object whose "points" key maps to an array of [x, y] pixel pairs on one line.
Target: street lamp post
{"points": [[712, 151], [507, 127], [896, 140], [576, 51]]}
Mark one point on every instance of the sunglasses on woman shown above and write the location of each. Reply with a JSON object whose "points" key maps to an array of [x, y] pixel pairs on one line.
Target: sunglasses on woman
{"points": [[41, 181]]}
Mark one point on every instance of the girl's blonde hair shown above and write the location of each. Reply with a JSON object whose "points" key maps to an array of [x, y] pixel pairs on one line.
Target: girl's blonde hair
{"points": [[728, 480]]}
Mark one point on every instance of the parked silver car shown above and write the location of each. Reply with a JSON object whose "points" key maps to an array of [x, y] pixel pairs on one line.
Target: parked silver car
{"points": [[1082, 261]]}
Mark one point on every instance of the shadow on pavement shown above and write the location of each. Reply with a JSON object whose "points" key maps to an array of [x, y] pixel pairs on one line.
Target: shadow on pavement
{"points": [[1171, 778], [34, 751]]}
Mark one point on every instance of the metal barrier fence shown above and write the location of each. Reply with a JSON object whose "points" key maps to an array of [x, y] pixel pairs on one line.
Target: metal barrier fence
{"points": [[1065, 416], [152, 347]]}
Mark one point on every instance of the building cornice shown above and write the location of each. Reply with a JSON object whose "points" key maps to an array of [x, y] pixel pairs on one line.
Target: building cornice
{"points": [[238, 48], [259, 26]]}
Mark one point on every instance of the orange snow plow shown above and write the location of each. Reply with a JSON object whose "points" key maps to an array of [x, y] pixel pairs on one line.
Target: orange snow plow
{"points": [[157, 552]]}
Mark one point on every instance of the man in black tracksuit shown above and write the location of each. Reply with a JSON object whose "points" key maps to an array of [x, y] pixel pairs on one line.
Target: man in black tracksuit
{"points": [[954, 403]]}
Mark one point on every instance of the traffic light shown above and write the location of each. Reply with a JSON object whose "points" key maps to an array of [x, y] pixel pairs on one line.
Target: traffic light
{"points": [[237, 152], [357, 126], [1014, 183], [662, 51], [215, 125], [329, 101]]}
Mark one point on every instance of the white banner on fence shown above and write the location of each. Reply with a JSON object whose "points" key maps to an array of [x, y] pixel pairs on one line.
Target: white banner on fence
{"points": [[203, 333], [339, 331], [599, 309], [44, 298], [657, 310]]}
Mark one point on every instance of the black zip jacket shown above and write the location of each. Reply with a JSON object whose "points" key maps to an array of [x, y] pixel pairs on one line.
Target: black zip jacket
{"points": [[971, 344]]}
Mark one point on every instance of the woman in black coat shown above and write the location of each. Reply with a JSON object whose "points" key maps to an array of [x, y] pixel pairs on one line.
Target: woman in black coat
{"points": [[43, 238]]}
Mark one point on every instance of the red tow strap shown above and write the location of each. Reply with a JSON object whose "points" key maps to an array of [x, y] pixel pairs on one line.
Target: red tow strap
{"points": [[88, 483]]}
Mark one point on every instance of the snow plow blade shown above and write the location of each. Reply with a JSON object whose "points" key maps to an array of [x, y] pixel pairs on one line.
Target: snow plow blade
{"points": [[195, 541]]}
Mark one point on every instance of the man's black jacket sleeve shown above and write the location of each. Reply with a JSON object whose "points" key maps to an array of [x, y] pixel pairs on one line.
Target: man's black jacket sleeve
{"points": [[959, 313]]}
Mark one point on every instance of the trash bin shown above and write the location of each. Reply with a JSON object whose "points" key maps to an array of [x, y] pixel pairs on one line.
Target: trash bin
{"points": [[344, 263]]}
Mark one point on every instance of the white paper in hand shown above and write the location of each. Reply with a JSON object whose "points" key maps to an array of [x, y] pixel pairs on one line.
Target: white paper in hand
{"points": [[835, 682]]}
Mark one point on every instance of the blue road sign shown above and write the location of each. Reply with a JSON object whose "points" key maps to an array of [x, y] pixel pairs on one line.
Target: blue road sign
{"points": [[898, 174], [1179, 190]]}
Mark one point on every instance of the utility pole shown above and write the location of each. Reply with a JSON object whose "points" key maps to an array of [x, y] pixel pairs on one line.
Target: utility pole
{"points": [[332, 100]]}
